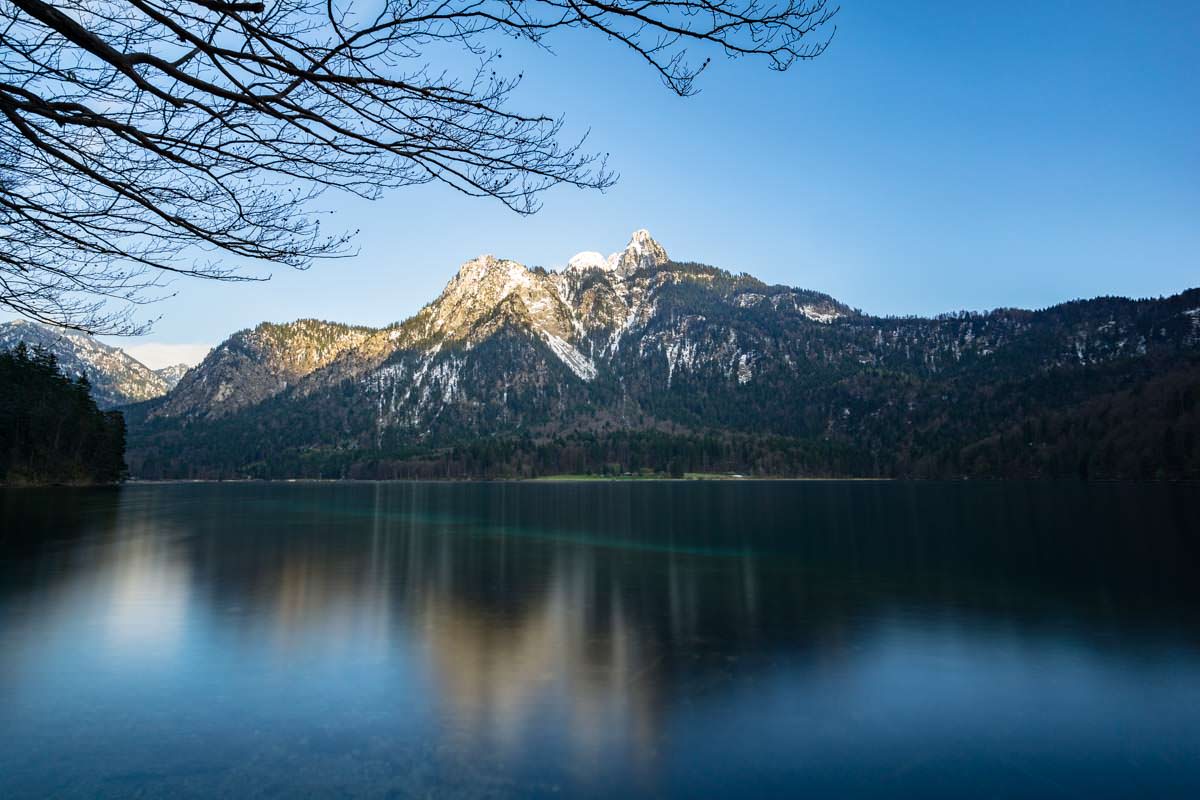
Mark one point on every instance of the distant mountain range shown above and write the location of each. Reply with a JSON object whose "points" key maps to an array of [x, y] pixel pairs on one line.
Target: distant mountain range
{"points": [[635, 362], [117, 378]]}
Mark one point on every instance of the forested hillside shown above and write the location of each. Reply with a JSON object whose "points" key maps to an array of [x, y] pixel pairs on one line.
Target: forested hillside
{"points": [[50, 428], [1130, 424]]}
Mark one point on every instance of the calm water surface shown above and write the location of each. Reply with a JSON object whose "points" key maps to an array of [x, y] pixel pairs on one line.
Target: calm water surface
{"points": [[834, 640]]}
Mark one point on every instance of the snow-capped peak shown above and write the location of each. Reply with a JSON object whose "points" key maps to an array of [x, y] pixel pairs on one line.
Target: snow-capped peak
{"points": [[588, 259], [642, 252]]}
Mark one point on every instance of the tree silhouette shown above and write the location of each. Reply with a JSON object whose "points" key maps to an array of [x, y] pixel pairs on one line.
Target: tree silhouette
{"points": [[50, 428], [143, 138]]}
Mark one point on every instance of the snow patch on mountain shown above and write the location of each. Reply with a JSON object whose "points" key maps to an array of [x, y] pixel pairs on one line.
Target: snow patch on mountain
{"points": [[825, 312], [576, 361], [749, 299], [1193, 336], [745, 368], [680, 354], [816, 314]]}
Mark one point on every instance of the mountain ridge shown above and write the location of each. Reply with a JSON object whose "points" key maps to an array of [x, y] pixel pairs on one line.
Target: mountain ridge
{"points": [[637, 342], [116, 377], [588, 306]]}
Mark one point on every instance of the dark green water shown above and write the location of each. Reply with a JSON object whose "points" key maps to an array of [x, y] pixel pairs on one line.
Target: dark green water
{"points": [[833, 640]]}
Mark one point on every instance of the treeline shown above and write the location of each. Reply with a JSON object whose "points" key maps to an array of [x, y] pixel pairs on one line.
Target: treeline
{"points": [[1109, 422], [1134, 418], [620, 453], [50, 428], [614, 454]]}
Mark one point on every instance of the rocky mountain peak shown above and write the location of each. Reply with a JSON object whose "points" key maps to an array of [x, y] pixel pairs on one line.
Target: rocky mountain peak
{"points": [[487, 284], [642, 252], [488, 292], [488, 272], [257, 363]]}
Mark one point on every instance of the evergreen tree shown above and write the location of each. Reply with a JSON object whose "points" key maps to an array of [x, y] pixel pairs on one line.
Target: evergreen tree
{"points": [[50, 428]]}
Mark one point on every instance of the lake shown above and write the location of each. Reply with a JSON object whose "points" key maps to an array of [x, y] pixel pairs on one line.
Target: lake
{"points": [[624, 639]]}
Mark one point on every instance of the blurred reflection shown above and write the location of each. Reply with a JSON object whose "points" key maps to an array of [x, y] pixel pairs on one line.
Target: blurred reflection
{"points": [[571, 627], [148, 596]]}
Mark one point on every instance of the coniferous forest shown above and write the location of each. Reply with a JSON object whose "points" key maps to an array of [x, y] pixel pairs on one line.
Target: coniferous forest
{"points": [[1117, 422], [50, 428]]}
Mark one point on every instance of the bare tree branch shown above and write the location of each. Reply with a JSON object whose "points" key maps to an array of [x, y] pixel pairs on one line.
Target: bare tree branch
{"points": [[135, 134]]}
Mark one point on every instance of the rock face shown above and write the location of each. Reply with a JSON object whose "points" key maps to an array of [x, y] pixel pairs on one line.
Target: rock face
{"points": [[636, 341], [253, 365], [642, 252], [172, 375], [588, 305], [117, 378]]}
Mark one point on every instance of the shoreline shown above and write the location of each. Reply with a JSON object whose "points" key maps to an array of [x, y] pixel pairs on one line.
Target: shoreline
{"points": [[549, 479], [579, 480]]}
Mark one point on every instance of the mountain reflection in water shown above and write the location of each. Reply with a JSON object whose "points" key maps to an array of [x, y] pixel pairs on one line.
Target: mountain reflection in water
{"points": [[600, 639]]}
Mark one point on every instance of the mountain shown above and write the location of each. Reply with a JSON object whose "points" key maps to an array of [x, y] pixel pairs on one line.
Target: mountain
{"points": [[117, 378], [172, 375], [252, 365], [636, 361]]}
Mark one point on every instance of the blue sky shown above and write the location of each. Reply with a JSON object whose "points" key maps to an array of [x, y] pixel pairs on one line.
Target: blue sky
{"points": [[939, 156]]}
